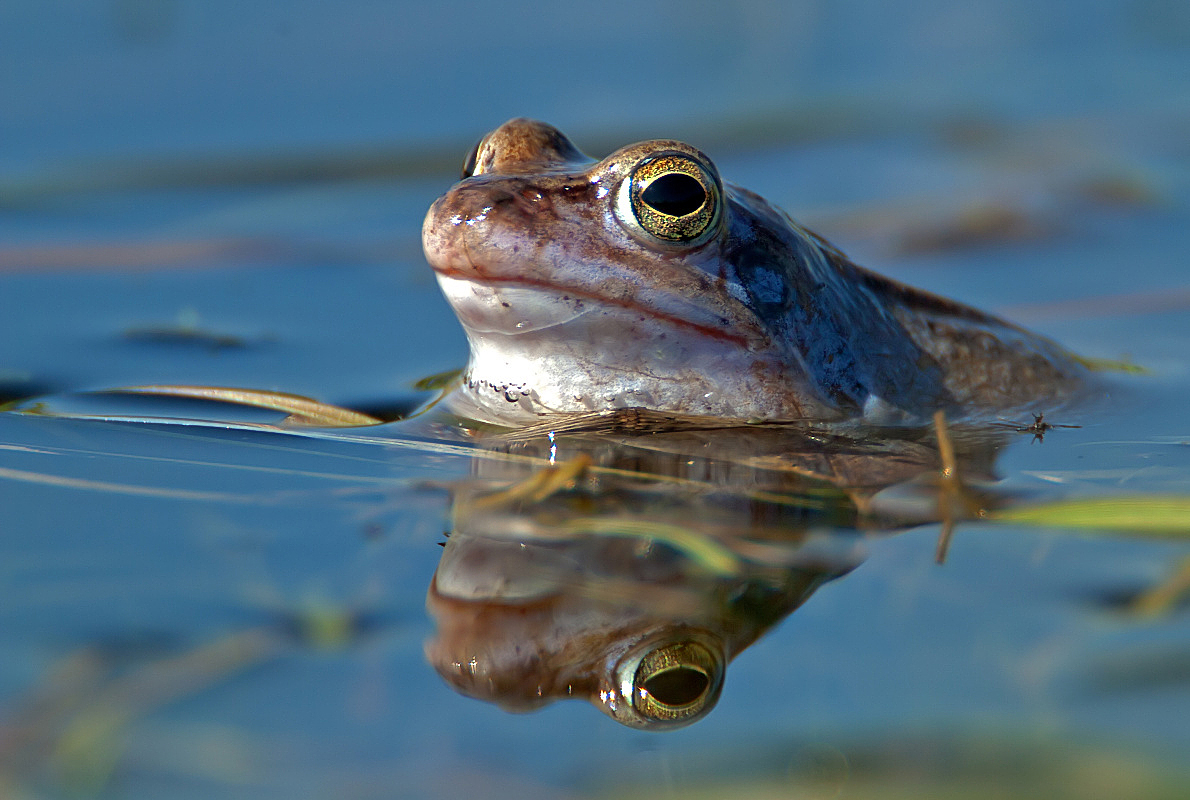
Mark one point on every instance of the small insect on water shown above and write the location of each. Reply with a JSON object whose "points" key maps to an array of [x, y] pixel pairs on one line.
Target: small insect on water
{"points": [[1039, 427]]}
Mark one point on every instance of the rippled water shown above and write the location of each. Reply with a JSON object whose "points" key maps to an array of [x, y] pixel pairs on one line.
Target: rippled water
{"points": [[194, 610]]}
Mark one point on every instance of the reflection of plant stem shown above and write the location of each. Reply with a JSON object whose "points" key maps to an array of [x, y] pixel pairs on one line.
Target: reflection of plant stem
{"points": [[1136, 515], [539, 485], [1162, 598], [90, 717], [949, 486], [704, 550], [90, 746]]}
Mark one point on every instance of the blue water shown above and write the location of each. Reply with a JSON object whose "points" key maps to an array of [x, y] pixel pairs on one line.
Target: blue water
{"points": [[147, 541]]}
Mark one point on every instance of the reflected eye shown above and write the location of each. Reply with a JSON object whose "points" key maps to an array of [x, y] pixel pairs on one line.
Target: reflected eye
{"points": [[676, 686], [672, 197], [676, 682]]}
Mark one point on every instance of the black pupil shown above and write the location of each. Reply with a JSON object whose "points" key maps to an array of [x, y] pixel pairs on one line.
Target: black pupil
{"points": [[675, 193], [678, 686]]}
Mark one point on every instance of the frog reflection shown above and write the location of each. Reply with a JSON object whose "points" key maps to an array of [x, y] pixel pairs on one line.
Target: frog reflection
{"points": [[636, 584]]}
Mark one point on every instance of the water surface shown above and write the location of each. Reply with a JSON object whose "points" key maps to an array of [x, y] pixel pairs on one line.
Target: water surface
{"points": [[264, 593]]}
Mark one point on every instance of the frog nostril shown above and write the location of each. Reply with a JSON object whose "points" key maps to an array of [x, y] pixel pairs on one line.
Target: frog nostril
{"points": [[469, 162]]}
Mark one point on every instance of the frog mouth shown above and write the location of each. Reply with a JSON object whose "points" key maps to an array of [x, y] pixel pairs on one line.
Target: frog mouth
{"points": [[518, 305], [510, 307]]}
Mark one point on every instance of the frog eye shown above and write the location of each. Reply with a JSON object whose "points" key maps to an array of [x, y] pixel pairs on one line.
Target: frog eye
{"points": [[671, 197], [672, 684]]}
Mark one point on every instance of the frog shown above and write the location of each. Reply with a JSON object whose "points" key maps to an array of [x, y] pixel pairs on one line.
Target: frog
{"points": [[643, 280]]}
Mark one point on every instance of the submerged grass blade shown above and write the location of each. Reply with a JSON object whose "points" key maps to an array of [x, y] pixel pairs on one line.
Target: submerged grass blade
{"points": [[704, 550], [301, 410], [1166, 595], [1147, 515], [47, 479], [1110, 365]]}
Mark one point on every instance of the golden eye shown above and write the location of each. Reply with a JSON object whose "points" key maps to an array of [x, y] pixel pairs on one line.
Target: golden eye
{"points": [[676, 682], [672, 197]]}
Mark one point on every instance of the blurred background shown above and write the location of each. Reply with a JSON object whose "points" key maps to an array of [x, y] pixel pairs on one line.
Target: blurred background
{"points": [[139, 134], [137, 79], [207, 191]]}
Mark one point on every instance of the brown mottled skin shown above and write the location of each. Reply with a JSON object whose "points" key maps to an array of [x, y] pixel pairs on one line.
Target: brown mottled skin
{"points": [[571, 305]]}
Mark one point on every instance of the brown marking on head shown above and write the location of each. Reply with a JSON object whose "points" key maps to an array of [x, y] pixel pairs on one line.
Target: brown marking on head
{"points": [[520, 147]]}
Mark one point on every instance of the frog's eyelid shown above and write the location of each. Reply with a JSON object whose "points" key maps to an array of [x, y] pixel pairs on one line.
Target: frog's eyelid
{"points": [[623, 202]]}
